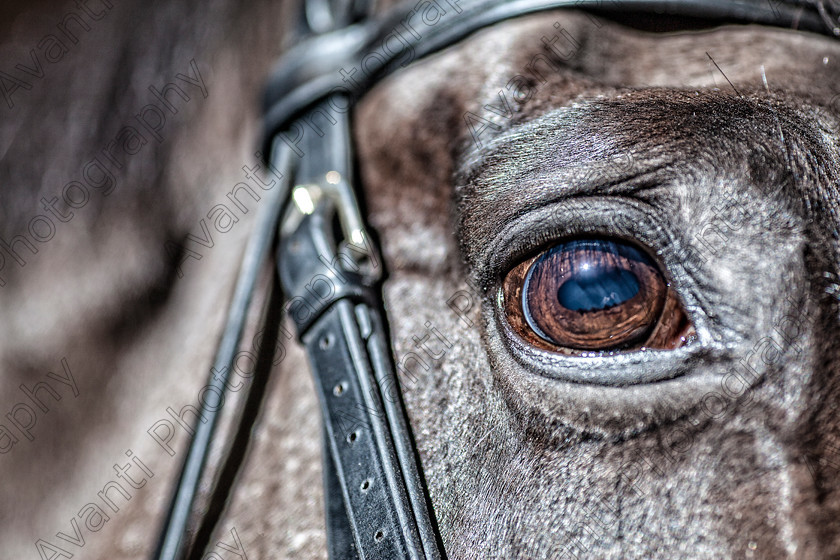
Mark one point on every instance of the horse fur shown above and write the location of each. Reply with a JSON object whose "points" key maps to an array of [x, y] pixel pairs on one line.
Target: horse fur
{"points": [[632, 133]]}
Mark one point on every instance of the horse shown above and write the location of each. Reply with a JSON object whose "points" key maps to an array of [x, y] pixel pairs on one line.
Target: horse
{"points": [[707, 152]]}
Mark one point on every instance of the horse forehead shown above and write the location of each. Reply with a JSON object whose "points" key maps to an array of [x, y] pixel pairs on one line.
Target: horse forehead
{"points": [[561, 55], [417, 130]]}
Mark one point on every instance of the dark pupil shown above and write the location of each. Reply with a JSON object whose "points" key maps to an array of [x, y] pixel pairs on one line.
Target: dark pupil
{"points": [[593, 294], [597, 288]]}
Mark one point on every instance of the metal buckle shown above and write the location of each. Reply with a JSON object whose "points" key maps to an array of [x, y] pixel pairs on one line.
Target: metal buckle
{"points": [[326, 180], [325, 253]]}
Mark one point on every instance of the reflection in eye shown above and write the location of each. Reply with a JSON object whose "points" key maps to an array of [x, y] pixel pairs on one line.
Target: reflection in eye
{"points": [[594, 294]]}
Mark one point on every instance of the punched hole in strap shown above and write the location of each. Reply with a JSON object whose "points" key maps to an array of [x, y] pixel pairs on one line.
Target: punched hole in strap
{"points": [[326, 341]]}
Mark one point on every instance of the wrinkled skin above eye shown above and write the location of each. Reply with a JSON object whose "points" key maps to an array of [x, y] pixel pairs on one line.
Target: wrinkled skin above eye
{"points": [[530, 453], [593, 295]]}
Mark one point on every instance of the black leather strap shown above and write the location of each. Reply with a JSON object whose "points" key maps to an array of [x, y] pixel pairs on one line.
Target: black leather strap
{"points": [[353, 416], [367, 441], [340, 541]]}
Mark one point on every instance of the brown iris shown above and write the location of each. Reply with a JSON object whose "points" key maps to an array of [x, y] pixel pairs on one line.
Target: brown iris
{"points": [[594, 295]]}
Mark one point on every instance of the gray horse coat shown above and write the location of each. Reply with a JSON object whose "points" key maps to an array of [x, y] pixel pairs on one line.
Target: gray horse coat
{"points": [[133, 142]]}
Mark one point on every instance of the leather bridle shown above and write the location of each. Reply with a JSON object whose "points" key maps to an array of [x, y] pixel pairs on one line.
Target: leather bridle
{"points": [[377, 506]]}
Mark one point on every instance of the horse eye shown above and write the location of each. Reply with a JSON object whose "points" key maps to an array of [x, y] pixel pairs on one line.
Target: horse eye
{"points": [[594, 295]]}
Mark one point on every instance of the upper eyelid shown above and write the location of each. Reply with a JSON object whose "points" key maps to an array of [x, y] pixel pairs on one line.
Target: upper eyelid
{"points": [[586, 178], [496, 202], [535, 229]]}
